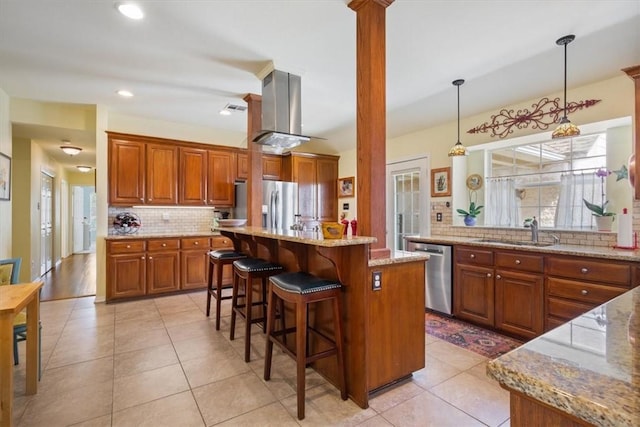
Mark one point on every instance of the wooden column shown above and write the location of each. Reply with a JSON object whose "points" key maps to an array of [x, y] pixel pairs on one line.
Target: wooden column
{"points": [[254, 160], [634, 73], [371, 121]]}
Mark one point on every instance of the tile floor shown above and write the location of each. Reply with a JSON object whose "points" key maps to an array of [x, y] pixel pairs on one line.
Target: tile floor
{"points": [[160, 362]]}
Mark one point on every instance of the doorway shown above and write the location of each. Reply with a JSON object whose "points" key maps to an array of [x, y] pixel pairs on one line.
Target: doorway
{"points": [[83, 219], [46, 223], [407, 201]]}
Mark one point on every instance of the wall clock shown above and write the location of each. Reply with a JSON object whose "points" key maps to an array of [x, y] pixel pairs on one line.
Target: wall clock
{"points": [[474, 182]]}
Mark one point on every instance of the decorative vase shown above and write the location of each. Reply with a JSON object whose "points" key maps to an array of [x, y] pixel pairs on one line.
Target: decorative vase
{"points": [[604, 223], [469, 220]]}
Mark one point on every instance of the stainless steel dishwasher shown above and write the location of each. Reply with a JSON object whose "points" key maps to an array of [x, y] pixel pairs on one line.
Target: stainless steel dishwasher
{"points": [[438, 280]]}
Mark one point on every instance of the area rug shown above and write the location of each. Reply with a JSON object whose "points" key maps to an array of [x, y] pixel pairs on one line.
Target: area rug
{"points": [[486, 343]]}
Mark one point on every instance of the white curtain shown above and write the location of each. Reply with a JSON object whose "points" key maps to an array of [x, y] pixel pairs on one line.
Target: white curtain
{"points": [[571, 211], [503, 207]]}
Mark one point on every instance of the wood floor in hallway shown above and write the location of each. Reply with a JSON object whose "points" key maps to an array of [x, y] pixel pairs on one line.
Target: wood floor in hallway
{"points": [[74, 277]]}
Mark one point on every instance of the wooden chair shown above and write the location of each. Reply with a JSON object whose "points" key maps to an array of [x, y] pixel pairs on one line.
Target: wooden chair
{"points": [[217, 260], [10, 275]]}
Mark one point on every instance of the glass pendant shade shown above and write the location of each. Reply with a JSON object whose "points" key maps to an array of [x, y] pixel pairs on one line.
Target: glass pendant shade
{"points": [[458, 149], [565, 128]]}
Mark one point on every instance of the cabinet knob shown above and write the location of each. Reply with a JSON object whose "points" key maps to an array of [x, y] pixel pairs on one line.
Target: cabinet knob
{"points": [[150, 200], [518, 262], [489, 274], [196, 243], [584, 270], [498, 276], [164, 245], [142, 199], [128, 246], [141, 257], [584, 292], [472, 256]]}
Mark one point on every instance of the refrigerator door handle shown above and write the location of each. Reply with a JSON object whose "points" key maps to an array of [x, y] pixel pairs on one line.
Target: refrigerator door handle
{"points": [[272, 209]]}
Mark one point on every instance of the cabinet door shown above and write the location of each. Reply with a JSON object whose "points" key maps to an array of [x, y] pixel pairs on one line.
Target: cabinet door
{"points": [[221, 177], [327, 187], [304, 173], [271, 167], [162, 174], [126, 172], [125, 275], [519, 303], [242, 166], [194, 269], [474, 294], [193, 176], [163, 272]]}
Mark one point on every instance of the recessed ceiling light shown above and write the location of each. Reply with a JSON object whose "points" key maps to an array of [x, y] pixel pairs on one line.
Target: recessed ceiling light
{"points": [[225, 112], [130, 10], [84, 168], [125, 93]]}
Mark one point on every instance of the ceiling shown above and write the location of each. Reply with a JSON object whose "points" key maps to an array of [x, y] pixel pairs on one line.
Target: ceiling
{"points": [[187, 59]]}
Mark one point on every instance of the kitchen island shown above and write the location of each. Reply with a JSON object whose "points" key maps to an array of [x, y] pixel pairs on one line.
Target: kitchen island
{"points": [[585, 372], [383, 321]]}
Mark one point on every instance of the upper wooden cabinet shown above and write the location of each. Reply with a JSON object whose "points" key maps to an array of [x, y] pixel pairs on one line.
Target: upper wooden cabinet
{"points": [[317, 178], [221, 174], [127, 161], [193, 176], [160, 174], [271, 166]]}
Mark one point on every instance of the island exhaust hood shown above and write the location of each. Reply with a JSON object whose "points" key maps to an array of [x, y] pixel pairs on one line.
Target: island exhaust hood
{"points": [[281, 112]]}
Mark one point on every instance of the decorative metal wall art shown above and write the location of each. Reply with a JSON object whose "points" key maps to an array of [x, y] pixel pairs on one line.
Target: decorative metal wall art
{"points": [[543, 114]]}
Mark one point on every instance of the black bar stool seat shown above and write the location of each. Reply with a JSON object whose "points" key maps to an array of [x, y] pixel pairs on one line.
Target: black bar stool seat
{"points": [[219, 259], [303, 289], [247, 270]]}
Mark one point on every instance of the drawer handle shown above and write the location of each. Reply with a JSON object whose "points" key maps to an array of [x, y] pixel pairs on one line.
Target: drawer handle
{"points": [[518, 262], [164, 245], [498, 276], [472, 256], [584, 292], [128, 246], [488, 274], [584, 270]]}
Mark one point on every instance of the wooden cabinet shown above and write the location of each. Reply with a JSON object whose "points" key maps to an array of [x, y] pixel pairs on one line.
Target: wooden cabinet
{"points": [[126, 269], [221, 242], [127, 161], [194, 262], [161, 173], [317, 178], [193, 176], [271, 166], [474, 294], [221, 167], [575, 286], [163, 266]]}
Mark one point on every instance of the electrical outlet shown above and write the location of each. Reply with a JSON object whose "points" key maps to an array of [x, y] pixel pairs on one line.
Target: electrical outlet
{"points": [[165, 216], [377, 280], [439, 216]]}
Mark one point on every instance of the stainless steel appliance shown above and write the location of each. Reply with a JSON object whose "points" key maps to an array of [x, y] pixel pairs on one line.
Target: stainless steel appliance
{"points": [[279, 203], [439, 277]]}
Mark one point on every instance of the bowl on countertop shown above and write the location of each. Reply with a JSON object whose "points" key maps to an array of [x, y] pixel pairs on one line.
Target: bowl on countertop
{"points": [[232, 222]]}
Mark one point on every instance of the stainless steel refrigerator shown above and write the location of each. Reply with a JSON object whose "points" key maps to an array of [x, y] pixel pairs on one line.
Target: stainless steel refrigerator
{"points": [[279, 203]]}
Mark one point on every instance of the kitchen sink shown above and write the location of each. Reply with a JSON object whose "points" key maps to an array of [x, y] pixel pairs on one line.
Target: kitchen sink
{"points": [[515, 242]]}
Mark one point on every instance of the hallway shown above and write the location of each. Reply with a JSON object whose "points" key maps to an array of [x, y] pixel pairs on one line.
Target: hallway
{"points": [[74, 277]]}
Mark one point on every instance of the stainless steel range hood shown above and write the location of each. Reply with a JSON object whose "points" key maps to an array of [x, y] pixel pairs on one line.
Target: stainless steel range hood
{"points": [[281, 112]]}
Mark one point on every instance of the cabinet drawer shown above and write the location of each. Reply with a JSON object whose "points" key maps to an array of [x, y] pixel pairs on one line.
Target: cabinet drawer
{"points": [[582, 292], [520, 261], [195, 243], [125, 247], [163, 245], [221, 243], [567, 310], [597, 271], [467, 255]]}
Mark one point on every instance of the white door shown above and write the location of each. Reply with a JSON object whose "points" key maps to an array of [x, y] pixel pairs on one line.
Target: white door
{"points": [[407, 201], [46, 223], [78, 219]]}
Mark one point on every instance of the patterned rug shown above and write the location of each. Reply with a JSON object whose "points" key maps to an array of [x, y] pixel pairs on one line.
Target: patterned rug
{"points": [[487, 343]]}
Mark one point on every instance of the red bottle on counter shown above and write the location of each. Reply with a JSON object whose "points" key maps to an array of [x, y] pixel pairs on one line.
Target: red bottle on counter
{"points": [[354, 227], [345, 222]]}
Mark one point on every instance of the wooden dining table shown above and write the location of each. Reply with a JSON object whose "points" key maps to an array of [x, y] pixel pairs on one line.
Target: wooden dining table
{"points": [[13, 299]]}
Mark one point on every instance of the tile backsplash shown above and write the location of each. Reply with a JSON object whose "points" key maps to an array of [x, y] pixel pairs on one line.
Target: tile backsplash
{"points": [[175, 220]]}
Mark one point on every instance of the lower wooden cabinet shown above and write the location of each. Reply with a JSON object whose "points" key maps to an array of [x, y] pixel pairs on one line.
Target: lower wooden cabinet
{"points": [[474, 294], [519, 303], [126, 276], [163, 272], [195, 262]]}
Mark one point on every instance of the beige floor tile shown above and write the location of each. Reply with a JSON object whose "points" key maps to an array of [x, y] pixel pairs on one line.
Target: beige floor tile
{"points": [[324, 407], [67, 378], [480, 371], [454, 355], [229, 398], [426, 410], [131, 326], [88, 301], [137, 314], [145, 304], [141, 339], [147, 359], [104, 421], [197, 347], [175, 410], [506, 423], [182, 317], [96, 336], [74, 406], [202, 329], [79, 352], [105, 321], [435, 372], [175, 304], [273, 415], [476, 397], [257, 345], [377, 421], [221, 365], [394, 396], [147, 386], [94, 311]]}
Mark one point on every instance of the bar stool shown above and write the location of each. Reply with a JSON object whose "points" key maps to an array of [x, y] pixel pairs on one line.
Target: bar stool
{"points": [[219, 259], [303, 289], [247, 270]]}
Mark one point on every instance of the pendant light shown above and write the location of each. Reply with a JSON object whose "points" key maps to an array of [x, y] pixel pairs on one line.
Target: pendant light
{"points": [[458, 149], [566, 128]]}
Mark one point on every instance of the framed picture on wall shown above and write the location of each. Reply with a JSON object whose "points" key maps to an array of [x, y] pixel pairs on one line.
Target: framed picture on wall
{"points": [[347, 187], [441, 182], [5, 177]]}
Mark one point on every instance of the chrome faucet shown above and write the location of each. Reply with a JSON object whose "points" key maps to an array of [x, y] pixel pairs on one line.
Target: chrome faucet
{"points": [[556, 239], [534, 230]]}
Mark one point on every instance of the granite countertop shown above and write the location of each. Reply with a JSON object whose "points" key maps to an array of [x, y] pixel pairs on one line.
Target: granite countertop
{"points": [[165, 235], [399, 257], [589, 367], [306, 237], [560, 249]]}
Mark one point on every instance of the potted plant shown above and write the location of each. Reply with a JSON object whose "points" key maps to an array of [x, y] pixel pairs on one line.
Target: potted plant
{"points": [[604, 219], [471, 214]]}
